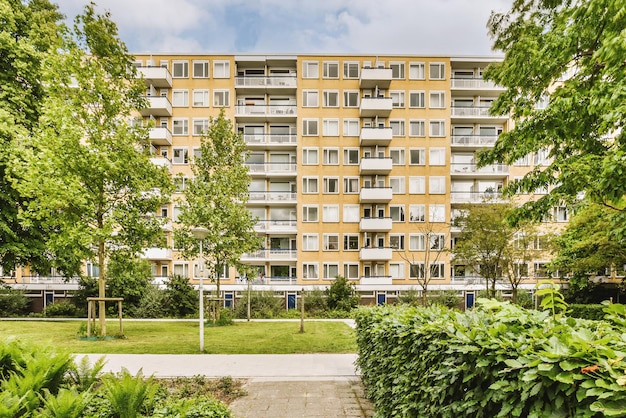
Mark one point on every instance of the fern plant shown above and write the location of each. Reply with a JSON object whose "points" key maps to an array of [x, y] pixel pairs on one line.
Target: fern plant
{"points": [[84, 375], [129, 395], [68, 403]]}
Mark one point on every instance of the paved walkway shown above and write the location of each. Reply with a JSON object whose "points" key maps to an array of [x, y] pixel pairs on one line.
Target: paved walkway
{"points": [[278, 385]]}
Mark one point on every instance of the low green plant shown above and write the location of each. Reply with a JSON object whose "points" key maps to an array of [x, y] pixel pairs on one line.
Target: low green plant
{"points": [[67, 403], [13, 302], [64, 309], [83, 375], [196, 407], [342, 295], [129, 395]]}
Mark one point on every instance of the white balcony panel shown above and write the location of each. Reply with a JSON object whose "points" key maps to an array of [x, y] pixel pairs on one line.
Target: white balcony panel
{"points": [[370, 166], [376, 136], [476, 197], [287, 226], [272, 197], [270, 255], [371, 254], [375, 77], [159, 77], [376, 280], [157, 106], [158, 254], [162, 162], [375, 224], [473, 141], [375, 106], [497, 170], [263, 140], [375, 195], [275, 169], [160, 136]]}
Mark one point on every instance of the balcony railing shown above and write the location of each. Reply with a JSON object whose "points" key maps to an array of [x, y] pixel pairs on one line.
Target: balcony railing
{"points": [[265, 110], [474, 140], [261, 196], [470, 168], [157, 106], [376, 106], [41, 280], [267, 225], [271, 254], [375, 224], [276, 81], [272, 168], [475, 197], [375, 194], [375, 165], [156, 76], [473, 84], [375, 136], [471, 111], [372, 77], [376, 253], [160, 136], [375, 280], [270, 139], [162, 162]]}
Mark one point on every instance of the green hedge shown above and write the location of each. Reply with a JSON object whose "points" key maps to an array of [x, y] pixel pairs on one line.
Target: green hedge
{"points": [[586, 311], [497, 360]]}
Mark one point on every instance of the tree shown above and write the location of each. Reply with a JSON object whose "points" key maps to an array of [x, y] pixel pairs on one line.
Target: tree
{"points": [[181, 300], [492, 248], [86, 166], [572, 53], [342, 295], [28, 32], [216, 200], [128, 277]]}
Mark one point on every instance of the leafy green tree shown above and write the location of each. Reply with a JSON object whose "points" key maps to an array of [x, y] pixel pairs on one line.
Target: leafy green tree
{"points": [[13, 302], [181, 300], [90, 181], [128, 277], [572, 53], [29, 30], [216, 200], [342, 295]]}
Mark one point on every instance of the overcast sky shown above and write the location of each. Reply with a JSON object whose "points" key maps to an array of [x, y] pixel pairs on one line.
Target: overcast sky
{"points": [[419, 27]]}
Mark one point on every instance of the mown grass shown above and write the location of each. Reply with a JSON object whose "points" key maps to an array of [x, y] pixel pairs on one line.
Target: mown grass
{"points": [[147, 337]]}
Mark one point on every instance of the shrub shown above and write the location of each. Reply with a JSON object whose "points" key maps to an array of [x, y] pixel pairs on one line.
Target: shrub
{"points": [[129, 395], [13, 302], [197, 407], [181, 299], [263, 304], [342, 295], [315, 302], [64, 309], [592, 311], [152, 304], [447, 298]]}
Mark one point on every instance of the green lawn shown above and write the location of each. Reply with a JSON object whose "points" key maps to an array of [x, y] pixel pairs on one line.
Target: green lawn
{"points": [[183, 337]]}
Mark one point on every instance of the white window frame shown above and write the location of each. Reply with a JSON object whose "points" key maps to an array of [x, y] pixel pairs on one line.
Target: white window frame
{"points": [[204, 67], [437, 185], [308, 125], [327, 98], [180, 98], [401, 242], [436, 213], [437, 128], [330, 183], [330, 127], [310, 185], [330, 242], [397, 127], [310, 271], [399, 68], [348, 185], [310, 156], [310, 69], [348, 69], [348, 96], [401, 215], [310, 98], [180, 126], [417, 242], [397, 99], [346, 156], [436, 156], [221, 69], [417, 185], [397, 184], [417, 70], [328, 154], [199, 126], [310, 213], [328, 273], [437, 99], [421, 99], [417, 213], [351, 213], [203, 95], [350, 239], [182, 157], [326, 67], [184, 73], [398, 156], [310, 242], [221, 97], [437, 71], [351, 127], [417, 128], [421, 152], [328, 211]]}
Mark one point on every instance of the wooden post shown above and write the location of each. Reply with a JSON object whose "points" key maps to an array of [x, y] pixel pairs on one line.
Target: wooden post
{"points": [[119, 309], [302, 311]]}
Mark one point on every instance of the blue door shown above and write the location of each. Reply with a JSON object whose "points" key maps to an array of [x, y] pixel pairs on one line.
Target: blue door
{"points": [[291, 301], [469, 300], [228, 299], [381, 298]]}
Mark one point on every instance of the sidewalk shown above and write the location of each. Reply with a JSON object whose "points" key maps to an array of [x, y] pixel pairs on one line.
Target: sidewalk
{"points": [[278, 385]]}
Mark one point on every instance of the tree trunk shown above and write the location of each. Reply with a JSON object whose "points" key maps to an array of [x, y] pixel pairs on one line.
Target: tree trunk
{"points": [[218, 308], [102, 289], [514, 295]]}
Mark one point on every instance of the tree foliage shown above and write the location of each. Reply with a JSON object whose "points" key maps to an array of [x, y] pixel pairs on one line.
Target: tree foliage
{"points": [[342, 295], [573, 52]]}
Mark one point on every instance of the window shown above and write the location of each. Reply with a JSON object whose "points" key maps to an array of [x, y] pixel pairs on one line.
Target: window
{"points": [[397, 70], [417, 242], [331, 270], [437, 185], [200, 126], [200, 69], [416, 99], [310, 98], [330, 213], [437, 270], [437, 156], [330, 98], [331, 185], [437, 241], [540, 270], [522, 162], [200, 98], [351, 213], [437, 128], [181, 269], [397, 156], [310, 242], [309, 185], [331, 242], [541, 157], [309, 127], [397, 99], [180, 98], [397, 127], [330, 127], [417, 185], [310, 69], [221, 98], [521, 270], [437, 99], [331, 156], [437, 71], [350, 98], [350, 242], [180, 126], [416, 270], [180, 69], [350, 185], [417, 156], [197, 153], [310, 156], [330, 70], [397, 185], [417, 71], [436, 213], [417, 213], [350, 127], [310, 213], [180, 184], [310, 271], [417, 128], [396, 241], [351, 271], [350, 70], [561, 214], [396, 270], [351, 156], [181, 155], [397, 213], [221, 69]]}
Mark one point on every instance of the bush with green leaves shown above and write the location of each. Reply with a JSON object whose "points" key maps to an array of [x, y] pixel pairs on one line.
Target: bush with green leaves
{"points": [[63, 309], [13, 302], [342, 295], [497, 360]]}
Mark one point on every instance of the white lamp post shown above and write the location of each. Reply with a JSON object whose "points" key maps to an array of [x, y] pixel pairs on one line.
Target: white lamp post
{"points": [[200, 234]]}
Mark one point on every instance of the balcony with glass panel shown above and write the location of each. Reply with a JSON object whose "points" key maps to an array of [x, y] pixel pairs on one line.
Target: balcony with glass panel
{"points": [[263, 140], [375, 165], [272, 169], [266, 197], [162, 162], [473, 85], [273, 84], [157, 254], [472, 169], [473, 141], [269, 254], [375, 280]]}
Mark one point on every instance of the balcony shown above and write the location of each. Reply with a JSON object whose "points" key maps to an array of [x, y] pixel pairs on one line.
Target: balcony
{"points": [[375, 225], [375, 106], [160, 136], [285, 226], [274, 254], [375, 136], [375, 280], [474, 86], [372, 166], [263, 140], [271, 84], [497, 170], [375, 195], [162, 162], [474, 114], [478, 141], [254, 112], [159, 77], [157, 254], [375, 77], [272, 169], [375, 254], [476, 197], [272, 197], [157, 106]]}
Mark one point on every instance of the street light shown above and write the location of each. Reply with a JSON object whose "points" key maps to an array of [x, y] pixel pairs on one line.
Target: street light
{"points": [[200, 234]]}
